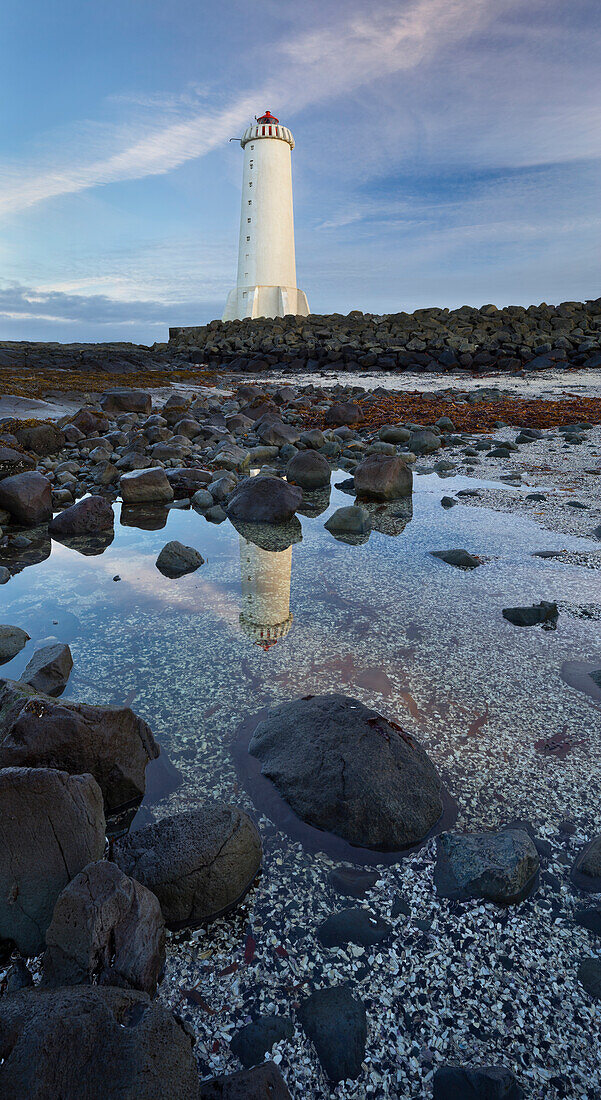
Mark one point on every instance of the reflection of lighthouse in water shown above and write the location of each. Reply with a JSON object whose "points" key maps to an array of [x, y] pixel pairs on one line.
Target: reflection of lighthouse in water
{"points": [[265, 615]]}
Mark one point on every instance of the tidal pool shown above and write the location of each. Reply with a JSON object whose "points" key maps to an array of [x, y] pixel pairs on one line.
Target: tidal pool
{"points": [[421, 641]]}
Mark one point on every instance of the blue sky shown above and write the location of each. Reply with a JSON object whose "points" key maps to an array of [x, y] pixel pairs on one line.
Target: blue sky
{"points": [[447, 151]]}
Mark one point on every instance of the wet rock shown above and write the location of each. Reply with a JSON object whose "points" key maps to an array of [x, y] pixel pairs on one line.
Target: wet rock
{"points": [[216, 514], [313, 438], [276, 433], [589, 975], [144, 486], [589, 919], [459, 558], [175, 559], [12, 640], [476, 1083], [4, 574], [336, 1024], [315, 503], [543, 612], [51, 826], [343, 412], [111, 743], [587, 865], [18, 977], [89, 421], [185, 482], [48, 670], [343, 767], [448, 502], [28, 498], [123, 400], [264, 500], [353, 926], [394, 433], [199, 864], [500, 867], [271, 536], [424, 442], [42, 439], [202, 499], [350, 521], [263, 1082], [383, 477], [256, 1039], [309, 469], [351, 882], [106, 929], [88, 516], [96, 1042]]}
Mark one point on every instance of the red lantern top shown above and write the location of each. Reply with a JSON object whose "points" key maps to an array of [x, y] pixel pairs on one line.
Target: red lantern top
{"points": [[268, 117]]}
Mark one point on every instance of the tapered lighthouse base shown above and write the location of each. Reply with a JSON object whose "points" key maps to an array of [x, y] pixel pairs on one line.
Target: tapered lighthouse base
{"points": [[265, 301]]}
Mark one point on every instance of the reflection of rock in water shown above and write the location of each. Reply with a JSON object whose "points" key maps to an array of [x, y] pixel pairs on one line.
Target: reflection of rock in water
{"points": [[265, 616], [390, 518]]}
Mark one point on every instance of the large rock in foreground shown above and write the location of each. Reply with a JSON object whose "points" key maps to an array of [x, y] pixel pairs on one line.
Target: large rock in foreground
{"points": [[199, 863], [500, 867], [343, 767], [111, 743], [106, 929], [383, 477], [93, 1044], [28, 498], [264, 500], [51, 826], [336, 1024], [264, 1082]]}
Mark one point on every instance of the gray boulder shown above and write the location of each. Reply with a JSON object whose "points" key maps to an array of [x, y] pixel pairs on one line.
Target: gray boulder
{"points": [[383, 477], [143, 486], [43, 438], [12, 640], [394, 433], [87, 517], [343, 767], [49, 669], [589, 975], [544, 612], [175, 559], [462, 559], [199, 863], [352, 522], [500, 867], [476, 1083], [264, 1082], [202, 499], [122, 400], [13, 462], [424, 442], [93, 1043], [343, 412], [111, 743], [51, 826], [309, 469], [28, 498], [106, 929], [336, 1024], [276, 433], [264, 500]]}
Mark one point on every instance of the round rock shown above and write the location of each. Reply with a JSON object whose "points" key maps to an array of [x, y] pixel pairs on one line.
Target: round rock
{"points": [[343, 767], [175, 559], [88, 516], [383, 477], [199, 863], [500, 867], [309, 469], [264, 500]]}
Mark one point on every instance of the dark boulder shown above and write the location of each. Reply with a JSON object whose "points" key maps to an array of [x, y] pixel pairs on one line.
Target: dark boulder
{"points": [[309, 469], [587, 866], [336, 1024], [349, 524], [353, 926], [589, 975], [543, 612], [424, 442], [500, 867], [106, 929], [383, 477], [28, 498], [199, 864], [275, 433], [476, 1083], [51, 826], [263, 1082], [12, 640], [14, 462], [87, 517], [175, 559], [589, 919], [145, 487], [48, 670], [343, 767], [111, 743], [97, 1043], [343, 412], [253, 1041], [462, 559], [43, 439], [123, 400], [264, 500]]}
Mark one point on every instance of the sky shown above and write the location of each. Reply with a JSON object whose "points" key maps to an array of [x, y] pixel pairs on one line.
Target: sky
{"points": [[447, 152]]}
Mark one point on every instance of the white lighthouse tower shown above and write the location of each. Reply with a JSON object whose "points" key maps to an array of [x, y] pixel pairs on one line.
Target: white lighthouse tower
{"points": [[266, 284]]}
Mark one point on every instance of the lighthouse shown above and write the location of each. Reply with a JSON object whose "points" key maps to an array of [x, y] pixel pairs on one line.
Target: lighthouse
{"points": [[266, 283], [265, 617]]}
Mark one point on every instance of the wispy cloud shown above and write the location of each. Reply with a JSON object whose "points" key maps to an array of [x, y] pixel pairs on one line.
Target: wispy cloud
{"points": [[308, 69]]}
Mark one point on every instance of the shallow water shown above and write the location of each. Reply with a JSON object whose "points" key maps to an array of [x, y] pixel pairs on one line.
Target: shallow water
{"points": [[422, 641]]}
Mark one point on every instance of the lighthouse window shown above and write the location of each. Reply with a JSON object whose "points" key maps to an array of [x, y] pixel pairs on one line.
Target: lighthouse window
{"points": [[263, 130], [251, 164], [248, 220], [251, 183], [248, 238], [250, 202], [270, 131], [252, 146]]}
